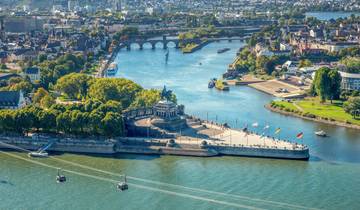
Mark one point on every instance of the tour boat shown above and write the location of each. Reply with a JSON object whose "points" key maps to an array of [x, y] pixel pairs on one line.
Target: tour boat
{"points": [[223, 50], [112, 70], [321, 133], [38, 154]]}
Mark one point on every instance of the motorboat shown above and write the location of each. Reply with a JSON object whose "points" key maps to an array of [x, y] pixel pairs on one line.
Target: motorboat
{"points": [[112, 70], [321, 133], [223, 50], [41, 154]]}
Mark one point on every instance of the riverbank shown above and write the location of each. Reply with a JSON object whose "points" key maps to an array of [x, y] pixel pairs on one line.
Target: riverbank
{"points": [[310, 117], [192, 47]]}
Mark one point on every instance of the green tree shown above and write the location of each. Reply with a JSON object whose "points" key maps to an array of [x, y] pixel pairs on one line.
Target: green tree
{"points": [[305, 63], [112, 124], [39, 94], [352, 106], [335, 83], [47, 101], [74, 85], [47, 119], [121, 90], [322, 83], [146, 98]]}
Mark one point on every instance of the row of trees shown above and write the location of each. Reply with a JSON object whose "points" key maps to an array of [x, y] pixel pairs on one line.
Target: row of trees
{"points": [[92, 118]]}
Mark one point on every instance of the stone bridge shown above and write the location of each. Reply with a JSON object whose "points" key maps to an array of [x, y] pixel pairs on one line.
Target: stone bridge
{"points": [[141, 42], [165, 41]]}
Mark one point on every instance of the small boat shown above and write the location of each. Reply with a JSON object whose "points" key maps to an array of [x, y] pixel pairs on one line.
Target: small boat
{"points": [[123, 185], [112, 70], [41, 154], [211, 83], [321, 133], [223, 50], [60, 178], [255, 124]]}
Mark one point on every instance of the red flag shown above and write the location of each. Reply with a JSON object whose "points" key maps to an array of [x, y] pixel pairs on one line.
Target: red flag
{"points": [[300, 135]]}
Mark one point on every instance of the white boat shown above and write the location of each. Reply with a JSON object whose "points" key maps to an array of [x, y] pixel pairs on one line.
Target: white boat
{"points": [[38, 154], [41, 152], [112, 70], [321, 133]]}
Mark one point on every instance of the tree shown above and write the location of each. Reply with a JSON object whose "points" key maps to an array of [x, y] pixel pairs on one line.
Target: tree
{"points": [[121, 90], [74, 85], [112, 124], [47, 101], [47, 119], [146, 98], [63, 122], [335, 83], [322, 83], [305, 63], [42, 58], [39, 94], [352, 106]]}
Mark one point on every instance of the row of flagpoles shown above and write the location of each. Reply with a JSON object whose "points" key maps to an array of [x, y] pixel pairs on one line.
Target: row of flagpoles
{"points": [[277, 131]]}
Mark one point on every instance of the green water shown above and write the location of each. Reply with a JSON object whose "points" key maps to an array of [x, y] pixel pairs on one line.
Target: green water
{"points": [[329, 180]]}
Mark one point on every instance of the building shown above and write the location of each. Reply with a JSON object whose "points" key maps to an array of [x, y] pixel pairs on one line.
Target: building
{"points": [[350, 81], [12, 100], [7, 76], [33, 73]]}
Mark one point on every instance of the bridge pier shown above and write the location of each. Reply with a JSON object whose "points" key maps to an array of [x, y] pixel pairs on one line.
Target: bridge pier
{"points": [[153, 46], [165, 45], [128, 47], [141, 46]]}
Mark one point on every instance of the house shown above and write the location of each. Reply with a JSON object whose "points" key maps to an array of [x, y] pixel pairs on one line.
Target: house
{"points": [[12, 100], [285, 47], [3, 57], [290, 66], [33, 73], [350, 81], [7, 76]]}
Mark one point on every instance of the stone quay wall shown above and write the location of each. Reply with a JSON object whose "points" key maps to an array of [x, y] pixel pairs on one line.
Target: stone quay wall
{"points": [[262, 152], [61, 145]]}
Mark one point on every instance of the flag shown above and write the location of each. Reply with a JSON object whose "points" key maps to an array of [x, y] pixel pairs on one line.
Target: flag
{"points": [[300, 135], [277, 130]]}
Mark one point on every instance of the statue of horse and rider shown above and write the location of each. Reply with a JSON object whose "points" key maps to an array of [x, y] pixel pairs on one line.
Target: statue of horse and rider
{"points": [[166, 94]]}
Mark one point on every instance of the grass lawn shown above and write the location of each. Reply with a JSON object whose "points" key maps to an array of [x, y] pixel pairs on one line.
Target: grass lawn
{"points": [[325, 110]]}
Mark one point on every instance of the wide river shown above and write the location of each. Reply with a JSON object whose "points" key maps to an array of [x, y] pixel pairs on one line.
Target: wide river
{"points": [[329, 180]]}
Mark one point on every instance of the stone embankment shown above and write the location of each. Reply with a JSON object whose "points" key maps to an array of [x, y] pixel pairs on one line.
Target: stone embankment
{"points": [[60, 145], [254, 147]]}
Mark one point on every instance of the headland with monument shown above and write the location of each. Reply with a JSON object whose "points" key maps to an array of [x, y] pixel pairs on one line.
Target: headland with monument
{"points": [[165, 129]]}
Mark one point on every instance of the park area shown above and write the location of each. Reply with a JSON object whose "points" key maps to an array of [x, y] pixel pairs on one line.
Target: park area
{"points": [[311, 107]]}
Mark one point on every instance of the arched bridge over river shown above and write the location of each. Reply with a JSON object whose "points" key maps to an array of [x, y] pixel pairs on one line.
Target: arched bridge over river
{"points": [[165, 41]]}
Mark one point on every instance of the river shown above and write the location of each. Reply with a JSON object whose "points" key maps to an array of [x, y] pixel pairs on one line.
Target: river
{"points": [[330, 15], [329, 180]]}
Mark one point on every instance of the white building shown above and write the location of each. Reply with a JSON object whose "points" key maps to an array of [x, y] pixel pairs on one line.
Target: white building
{"points": [[350, 81], [12, 100]]}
